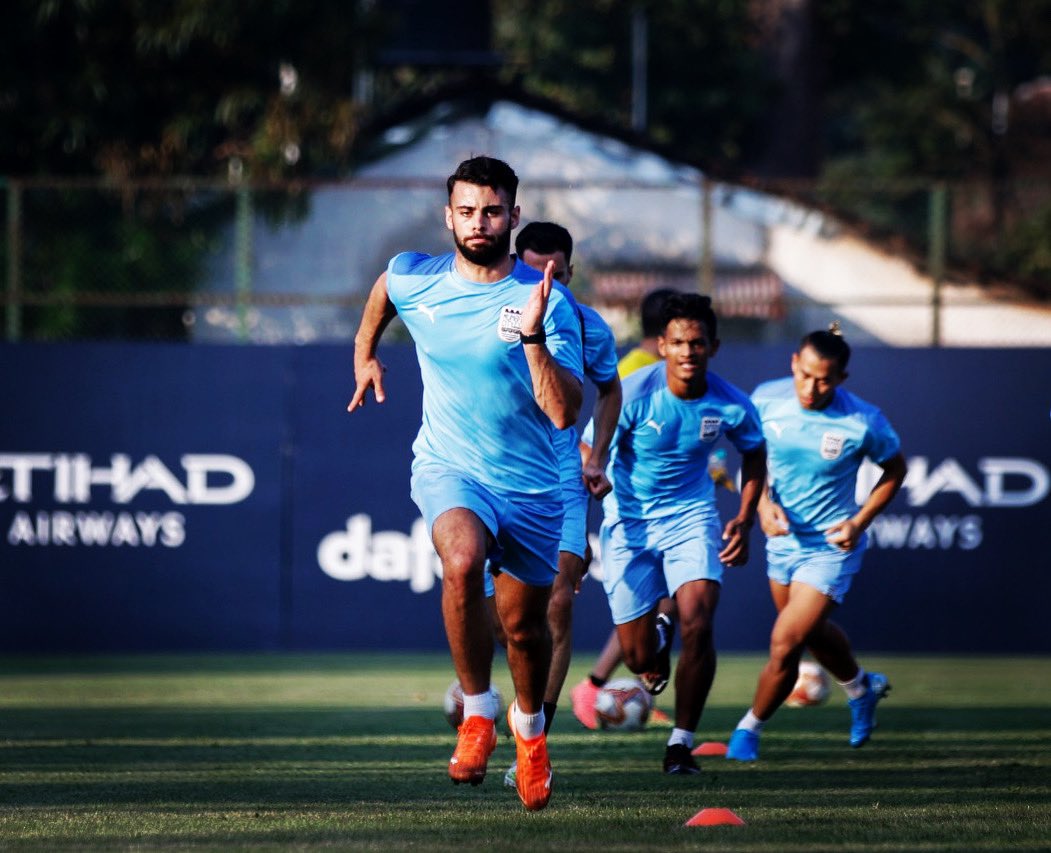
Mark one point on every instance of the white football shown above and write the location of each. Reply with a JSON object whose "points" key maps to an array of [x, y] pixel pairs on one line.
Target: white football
{"points": [[623, 705], [453, 703], [811, 687]]}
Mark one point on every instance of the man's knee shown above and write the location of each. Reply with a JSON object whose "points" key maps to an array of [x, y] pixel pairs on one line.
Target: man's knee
{"points": [[526, 634], [462, 567], [791, 634], [785, 649], [526, 627], [637, 654], [695, 629], [635, 659]]}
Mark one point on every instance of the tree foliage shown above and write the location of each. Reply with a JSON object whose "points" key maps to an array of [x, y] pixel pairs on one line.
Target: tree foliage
{"points": [[133, 87], [929, 89]]}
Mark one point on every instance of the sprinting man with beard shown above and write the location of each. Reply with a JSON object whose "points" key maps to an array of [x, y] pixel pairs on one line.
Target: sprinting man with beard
{"points": [[500, 357]]}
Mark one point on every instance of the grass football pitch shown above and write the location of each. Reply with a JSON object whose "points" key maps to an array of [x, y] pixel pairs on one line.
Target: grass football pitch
{"points": [[349, 752]]}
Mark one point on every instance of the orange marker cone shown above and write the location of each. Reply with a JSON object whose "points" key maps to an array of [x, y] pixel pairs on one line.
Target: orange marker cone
{"points": [[711, 747], [715, 817]]}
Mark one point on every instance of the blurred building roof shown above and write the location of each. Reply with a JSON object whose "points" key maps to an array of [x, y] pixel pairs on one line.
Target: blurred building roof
{"points": [[639, 218]]}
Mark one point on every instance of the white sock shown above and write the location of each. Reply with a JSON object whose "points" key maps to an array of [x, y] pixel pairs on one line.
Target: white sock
{"points": [[480, 705], [681, 736], [751, 722], [857, 686], [528, 726]]}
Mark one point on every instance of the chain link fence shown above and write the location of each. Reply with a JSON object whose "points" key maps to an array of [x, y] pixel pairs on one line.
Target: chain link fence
{"points": [[899, 263]]}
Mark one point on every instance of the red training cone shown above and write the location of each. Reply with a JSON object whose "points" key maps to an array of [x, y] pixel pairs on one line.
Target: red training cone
{"points": [[711, 747], [715, 817]]}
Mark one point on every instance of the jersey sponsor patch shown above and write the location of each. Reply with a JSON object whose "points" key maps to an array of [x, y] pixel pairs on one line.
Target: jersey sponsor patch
{"points": [[832, 445], [710, 427], [510, 325]]}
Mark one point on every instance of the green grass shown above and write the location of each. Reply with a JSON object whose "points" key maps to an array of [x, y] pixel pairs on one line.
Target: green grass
{"points": [[349, 752]]}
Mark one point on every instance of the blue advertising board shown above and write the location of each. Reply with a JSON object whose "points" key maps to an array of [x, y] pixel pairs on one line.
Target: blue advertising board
{"points": [[165, 497], [140, 489]]}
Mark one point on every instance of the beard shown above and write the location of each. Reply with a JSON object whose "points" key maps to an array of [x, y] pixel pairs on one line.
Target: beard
{"points": [[489, 253]]}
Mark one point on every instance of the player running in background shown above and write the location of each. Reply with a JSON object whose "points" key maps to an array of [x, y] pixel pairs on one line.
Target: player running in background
{"points": [[538, 244], [583, 695], [646, 352], [500, 356], [661, 535], [817, 436]]}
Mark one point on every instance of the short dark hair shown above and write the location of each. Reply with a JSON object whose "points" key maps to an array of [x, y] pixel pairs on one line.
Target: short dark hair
{"points": [[486, 172], [690, 306], [652, 310], [544, 238], [829, 344]]}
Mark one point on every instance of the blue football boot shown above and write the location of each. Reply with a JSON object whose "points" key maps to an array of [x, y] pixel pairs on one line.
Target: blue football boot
{"points": [[743, 746], [863, 709]]}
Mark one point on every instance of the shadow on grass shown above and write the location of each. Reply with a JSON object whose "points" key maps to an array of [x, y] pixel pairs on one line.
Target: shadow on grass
{"points": [[274, 758]]}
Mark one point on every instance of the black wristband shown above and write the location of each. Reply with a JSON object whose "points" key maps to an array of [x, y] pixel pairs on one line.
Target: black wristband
{"points": [[539, 338]]}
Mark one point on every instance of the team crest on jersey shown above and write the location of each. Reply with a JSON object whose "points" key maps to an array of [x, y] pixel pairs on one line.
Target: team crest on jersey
{"points": [[510, 324], [710, 427], [832, 445]]}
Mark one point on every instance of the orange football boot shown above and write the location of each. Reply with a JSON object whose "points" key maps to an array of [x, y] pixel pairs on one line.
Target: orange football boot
{"points": [[474, 745], [533, 778]]}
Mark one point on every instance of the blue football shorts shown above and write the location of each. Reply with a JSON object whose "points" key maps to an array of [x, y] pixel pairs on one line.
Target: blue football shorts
{"points": [[575, 521], [827, 569], [574, 531], [526, 530], [645, 561]]}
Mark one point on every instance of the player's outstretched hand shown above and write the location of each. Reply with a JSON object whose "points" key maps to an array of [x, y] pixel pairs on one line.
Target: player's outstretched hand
{"points": [[844, 535], [596, 481], [772, 518], [536, 307], [735, 535], [369, 374]]}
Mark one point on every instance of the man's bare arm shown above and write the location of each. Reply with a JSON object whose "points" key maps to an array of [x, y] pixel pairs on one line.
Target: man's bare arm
{"points": [[847, 534], [557, 391], [605, 415], [368, 370], [735, 534]]}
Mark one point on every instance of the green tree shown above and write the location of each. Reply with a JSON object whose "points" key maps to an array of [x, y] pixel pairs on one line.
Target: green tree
{"points": [[132, 87], [707, 87]]}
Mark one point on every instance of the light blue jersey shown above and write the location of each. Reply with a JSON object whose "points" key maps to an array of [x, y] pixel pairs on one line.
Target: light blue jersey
{"points": [[813, 458], [661, 528], [479, 413], [659, 456]]}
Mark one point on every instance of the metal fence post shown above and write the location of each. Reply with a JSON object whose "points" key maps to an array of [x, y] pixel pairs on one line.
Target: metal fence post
{"points": [[14, 260], [936, 249], [707, 276], [243, 259]]}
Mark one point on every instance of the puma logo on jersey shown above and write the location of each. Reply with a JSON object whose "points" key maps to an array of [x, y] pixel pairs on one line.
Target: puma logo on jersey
{"points": [[657, 427], [776, 427], [429, 312]]}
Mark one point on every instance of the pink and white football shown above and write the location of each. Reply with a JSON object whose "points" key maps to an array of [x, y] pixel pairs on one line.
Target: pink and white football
{"points": [[452, 704], [623, 705], [811, 687]]}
